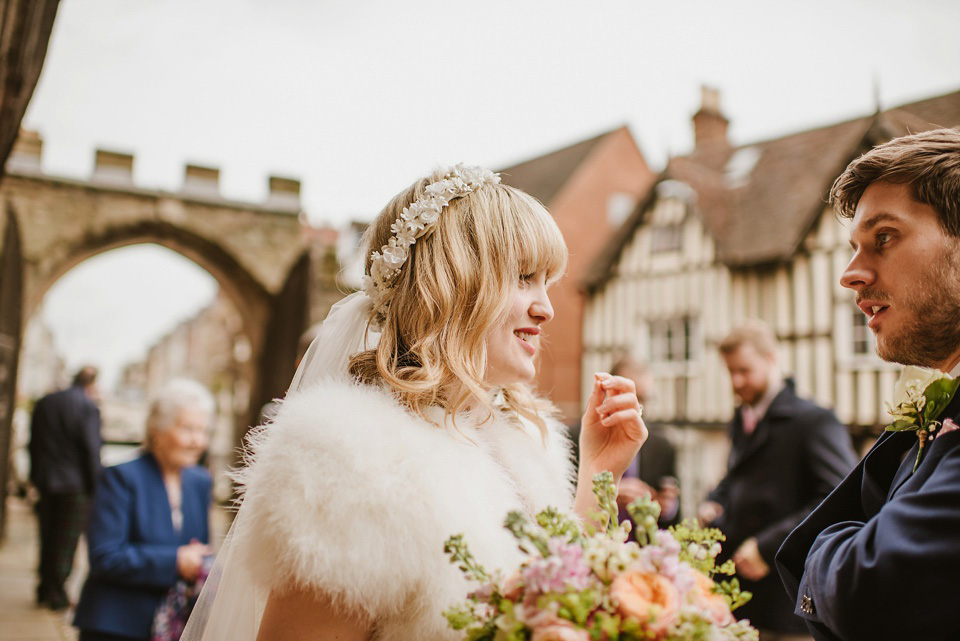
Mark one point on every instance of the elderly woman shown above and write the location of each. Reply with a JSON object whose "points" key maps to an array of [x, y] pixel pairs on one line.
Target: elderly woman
{"points": [[149, 521]]}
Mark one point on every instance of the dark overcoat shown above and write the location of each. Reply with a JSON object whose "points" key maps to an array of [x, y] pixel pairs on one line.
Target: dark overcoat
{"points": [[65, 443], [775, 477]]}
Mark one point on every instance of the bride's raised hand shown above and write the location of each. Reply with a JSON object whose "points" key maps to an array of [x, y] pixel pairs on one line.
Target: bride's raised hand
{"points": [[611, 430]]}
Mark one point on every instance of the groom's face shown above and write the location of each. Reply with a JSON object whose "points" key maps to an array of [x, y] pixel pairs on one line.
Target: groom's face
{"points": [[906, 273]]}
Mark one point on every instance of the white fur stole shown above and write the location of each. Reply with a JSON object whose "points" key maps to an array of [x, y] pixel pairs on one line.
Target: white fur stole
{"points": [[349, 494]]}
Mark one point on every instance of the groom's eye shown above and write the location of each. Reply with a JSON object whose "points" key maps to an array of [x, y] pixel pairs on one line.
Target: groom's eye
{"points": [[883, 239]]}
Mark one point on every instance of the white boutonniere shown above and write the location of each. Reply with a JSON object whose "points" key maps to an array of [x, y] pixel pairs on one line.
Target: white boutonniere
{"points": [[919, 397]]}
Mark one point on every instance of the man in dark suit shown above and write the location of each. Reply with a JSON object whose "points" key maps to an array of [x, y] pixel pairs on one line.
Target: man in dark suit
{"points": [[786, 455], [64, 465], [879, 559]]}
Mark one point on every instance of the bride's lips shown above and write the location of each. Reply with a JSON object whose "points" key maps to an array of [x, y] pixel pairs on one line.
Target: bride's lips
{"points": [[525, 333]]}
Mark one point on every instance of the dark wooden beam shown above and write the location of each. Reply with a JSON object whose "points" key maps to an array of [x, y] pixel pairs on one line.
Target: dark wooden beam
{"points": [[25, 27]]}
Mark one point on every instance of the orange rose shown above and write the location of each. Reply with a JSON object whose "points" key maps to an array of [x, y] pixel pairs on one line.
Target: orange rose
{"points": [[714, 605], [645, 596]]}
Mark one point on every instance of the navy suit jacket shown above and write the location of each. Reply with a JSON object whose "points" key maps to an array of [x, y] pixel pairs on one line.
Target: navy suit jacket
{"points": [[880, 558], [776, 476], [133, 546], [65, 443]]}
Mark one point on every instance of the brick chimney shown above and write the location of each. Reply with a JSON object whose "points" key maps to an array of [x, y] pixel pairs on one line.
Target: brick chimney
{"points": [[113, 167], [709, 123], [201, 181], [284, 194]]}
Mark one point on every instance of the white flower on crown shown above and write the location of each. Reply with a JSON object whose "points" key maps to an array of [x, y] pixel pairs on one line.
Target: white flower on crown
{"points": [[415, 221]]}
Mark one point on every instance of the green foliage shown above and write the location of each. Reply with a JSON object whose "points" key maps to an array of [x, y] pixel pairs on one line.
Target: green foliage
{"points": [[461, 556], [558, 525], [573, 606], [730, 589], [699, 546], [529, 537], [606, 492], [645, 512], [938, 395]]}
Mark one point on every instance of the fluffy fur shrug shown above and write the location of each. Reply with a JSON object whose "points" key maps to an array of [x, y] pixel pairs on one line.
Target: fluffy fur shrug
{"points": [[349, 494]]}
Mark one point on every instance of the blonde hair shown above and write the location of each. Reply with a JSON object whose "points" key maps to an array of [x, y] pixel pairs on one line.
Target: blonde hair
{"points": [[755, 333], [454, 288]]}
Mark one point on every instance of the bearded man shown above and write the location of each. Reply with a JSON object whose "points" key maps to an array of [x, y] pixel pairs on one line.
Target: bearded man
{"points": [[879, 559]]}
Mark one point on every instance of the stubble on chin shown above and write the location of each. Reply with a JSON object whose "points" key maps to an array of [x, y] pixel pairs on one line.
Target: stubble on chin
{"points": [[933, 333]]}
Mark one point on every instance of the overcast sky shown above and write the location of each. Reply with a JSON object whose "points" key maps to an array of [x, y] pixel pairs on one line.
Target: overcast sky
{"points": [[356, 98]]}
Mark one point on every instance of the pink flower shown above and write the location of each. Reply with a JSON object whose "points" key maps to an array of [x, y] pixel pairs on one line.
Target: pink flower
{"points": [[547, 626], [512, 586], [948, 426], [563, 570], [650, 598], [561, 631]]}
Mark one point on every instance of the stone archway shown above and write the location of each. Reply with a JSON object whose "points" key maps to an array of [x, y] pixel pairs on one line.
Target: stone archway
{"points": [[258, 253]]}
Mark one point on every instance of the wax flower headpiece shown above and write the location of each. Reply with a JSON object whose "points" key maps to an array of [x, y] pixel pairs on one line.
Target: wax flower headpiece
{"points": [[415, 221]]}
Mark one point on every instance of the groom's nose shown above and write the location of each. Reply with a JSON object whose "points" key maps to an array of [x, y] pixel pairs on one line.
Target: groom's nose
{"points": [[857, 276]]}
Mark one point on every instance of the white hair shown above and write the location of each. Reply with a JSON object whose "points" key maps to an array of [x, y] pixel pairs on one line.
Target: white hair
{"points": [[175, 396]]}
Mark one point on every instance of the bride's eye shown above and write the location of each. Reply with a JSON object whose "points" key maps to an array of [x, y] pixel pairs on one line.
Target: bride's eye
{"points": [[526, 278]]}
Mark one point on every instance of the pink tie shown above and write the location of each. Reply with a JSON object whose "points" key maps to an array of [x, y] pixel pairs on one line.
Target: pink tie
{"points": [[749, 419]]}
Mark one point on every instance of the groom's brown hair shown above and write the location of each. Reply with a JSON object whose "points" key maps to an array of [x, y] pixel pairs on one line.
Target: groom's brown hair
{"points": [[929, 162]]}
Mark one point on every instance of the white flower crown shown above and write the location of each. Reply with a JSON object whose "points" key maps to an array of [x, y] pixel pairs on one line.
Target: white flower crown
{"points": [[415, 221]]}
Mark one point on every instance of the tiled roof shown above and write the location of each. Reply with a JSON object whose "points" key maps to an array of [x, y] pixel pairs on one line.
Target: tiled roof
{"points": [[543, 177], [760, 200]]}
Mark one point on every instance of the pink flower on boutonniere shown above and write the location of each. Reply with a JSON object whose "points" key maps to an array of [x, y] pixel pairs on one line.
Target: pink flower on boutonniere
{"points": [[948, 426]]}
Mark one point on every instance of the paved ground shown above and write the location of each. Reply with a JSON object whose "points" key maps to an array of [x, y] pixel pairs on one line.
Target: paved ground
{"points": [[20, 619]]}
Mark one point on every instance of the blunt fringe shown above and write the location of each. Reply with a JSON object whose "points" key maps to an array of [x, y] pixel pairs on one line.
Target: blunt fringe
{"points": [[454, 288], [929, 162]]}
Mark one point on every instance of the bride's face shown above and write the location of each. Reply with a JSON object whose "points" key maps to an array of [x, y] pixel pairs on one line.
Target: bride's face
{"points": [[512, 344]]}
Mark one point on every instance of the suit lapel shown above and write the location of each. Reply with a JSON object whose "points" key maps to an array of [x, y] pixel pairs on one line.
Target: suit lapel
{"points": [[881, 468], [749, 444]]}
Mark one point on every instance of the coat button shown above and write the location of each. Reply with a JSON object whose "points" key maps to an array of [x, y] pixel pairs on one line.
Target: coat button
{"points": [[806, 604]]}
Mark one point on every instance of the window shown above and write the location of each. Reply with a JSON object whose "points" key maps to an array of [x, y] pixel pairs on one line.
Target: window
{"points": [[666, 238], [667, 223], [673, 340]]}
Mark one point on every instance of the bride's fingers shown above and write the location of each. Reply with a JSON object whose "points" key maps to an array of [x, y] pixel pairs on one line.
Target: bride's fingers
{"points": [[619, 385], [629, 419], [619, 402]]}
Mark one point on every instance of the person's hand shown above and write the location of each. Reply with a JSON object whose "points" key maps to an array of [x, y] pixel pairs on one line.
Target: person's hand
{"points": [[708, 512], [190, 559], [611, 431], [631, 489], [750, 565]]}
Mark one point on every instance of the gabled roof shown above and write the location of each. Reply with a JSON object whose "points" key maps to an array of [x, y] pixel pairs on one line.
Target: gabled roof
{"points": [[759, 201], [544, 176]]}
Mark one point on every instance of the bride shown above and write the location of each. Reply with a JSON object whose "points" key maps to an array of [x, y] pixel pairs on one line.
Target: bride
{"points": [[410, 419]]}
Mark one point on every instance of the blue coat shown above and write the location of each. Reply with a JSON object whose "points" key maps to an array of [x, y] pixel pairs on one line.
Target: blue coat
{"points": [[133, 546], [879, 559]]}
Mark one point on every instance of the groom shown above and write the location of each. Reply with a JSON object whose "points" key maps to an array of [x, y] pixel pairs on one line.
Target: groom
{"points": [[879, 559]]}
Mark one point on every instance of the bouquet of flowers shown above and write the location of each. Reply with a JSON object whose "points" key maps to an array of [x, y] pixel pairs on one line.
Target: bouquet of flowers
{"points": [[593, 584]]}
